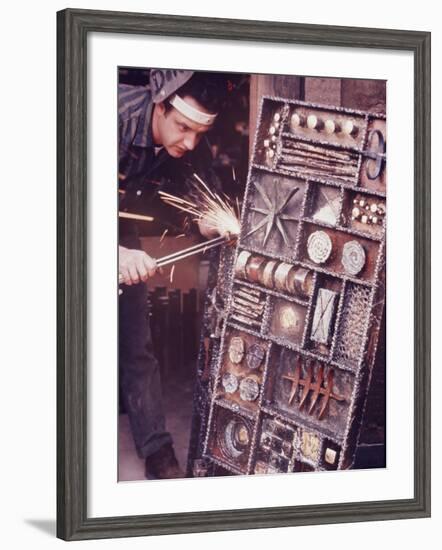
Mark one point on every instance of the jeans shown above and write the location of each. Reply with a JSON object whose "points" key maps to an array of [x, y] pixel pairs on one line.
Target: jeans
{"points": [[139, 373]]}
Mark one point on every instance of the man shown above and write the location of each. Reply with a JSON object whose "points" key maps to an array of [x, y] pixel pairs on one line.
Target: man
{"points": [[159, 127]]}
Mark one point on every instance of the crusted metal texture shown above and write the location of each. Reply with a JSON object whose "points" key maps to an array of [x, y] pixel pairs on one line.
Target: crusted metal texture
{"points": [[316, 370]]}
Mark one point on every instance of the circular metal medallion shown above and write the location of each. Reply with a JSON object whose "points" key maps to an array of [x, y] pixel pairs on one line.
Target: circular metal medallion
{"points": [[319, 247], [255, 356], [229, 382], [249, 389], [236, 438], [236, 350], [353, 257]]}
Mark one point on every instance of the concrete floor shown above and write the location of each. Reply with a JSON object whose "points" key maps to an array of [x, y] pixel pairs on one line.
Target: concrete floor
{"points": [[177, 401]]}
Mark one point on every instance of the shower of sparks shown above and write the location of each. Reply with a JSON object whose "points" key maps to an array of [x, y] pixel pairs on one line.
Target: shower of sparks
{"points": [[218, 213], [171, 273]]}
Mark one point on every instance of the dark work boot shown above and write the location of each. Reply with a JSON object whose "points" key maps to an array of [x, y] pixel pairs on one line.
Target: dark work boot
{"points": [[163, 464]]}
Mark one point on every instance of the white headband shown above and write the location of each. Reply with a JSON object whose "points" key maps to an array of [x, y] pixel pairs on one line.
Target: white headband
{"points": [[190, 112]]}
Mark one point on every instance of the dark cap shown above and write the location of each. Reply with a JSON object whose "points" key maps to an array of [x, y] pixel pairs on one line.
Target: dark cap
{"points": [[164, 82]]}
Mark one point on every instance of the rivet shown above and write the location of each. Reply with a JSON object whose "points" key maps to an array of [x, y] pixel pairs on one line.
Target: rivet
{"points": [[295, 121], [329, 126], [312, 121]]}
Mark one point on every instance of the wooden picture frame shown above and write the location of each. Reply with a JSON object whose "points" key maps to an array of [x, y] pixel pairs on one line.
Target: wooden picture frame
{"points": [[73, 27]]}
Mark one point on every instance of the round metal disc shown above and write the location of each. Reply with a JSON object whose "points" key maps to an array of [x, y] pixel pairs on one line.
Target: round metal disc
{"points": [[319, 247], [229, 382], [236, 350], [353, 257], [248, 389], [255, 356]]}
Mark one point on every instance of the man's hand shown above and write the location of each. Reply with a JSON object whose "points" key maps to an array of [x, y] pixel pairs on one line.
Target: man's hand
{"points": [[134, 266]]}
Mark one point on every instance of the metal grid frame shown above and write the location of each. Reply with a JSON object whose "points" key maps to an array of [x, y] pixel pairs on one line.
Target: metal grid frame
{"points": [[361, 368]]}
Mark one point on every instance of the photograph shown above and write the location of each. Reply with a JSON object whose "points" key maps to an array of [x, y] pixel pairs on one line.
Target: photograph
{"points": [[252, 222], [225, 360]]}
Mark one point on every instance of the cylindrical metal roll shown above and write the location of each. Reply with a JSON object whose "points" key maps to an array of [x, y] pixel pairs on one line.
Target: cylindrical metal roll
{"points": [[253, 268], [266, 274], [299, 281], [241, 264], [280, 276]]}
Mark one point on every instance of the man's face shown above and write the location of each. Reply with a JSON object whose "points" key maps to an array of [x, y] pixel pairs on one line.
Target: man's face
{"points": [[177, 133]]}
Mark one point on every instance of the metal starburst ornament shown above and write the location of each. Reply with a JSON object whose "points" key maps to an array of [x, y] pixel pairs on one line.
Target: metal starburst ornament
{"points": [[273, 213]]}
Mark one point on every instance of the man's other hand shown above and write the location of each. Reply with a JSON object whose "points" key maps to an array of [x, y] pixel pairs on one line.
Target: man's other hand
{"points": [[134, 266]]}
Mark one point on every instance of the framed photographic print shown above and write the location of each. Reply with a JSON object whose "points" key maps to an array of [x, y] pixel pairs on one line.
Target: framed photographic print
{"points": [[229, 245]]}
